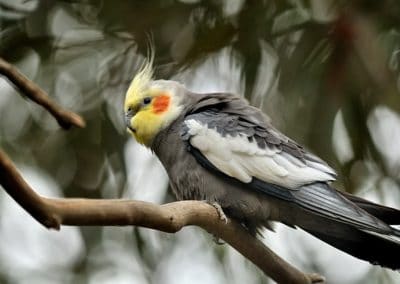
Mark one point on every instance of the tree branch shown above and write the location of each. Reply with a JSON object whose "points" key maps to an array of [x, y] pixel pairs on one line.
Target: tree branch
{"points": [[65, 118], [171, 217]]}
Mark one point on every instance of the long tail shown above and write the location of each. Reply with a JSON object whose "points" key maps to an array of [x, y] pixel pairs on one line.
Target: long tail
{"points": [[388, 215], [351, 224]]}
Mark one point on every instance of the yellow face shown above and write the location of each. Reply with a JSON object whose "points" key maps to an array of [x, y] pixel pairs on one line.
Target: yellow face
{"points": [[146, 113], [150, 106]]}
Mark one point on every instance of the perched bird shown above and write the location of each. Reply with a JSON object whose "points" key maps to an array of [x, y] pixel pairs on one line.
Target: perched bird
{"points": [[218, 148]]}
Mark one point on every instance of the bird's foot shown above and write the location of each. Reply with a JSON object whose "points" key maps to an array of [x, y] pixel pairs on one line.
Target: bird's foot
{"points": [[220, 212], [222, 217]]}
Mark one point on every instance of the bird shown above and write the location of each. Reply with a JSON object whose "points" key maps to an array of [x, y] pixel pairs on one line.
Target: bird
{"points": [[217, 148]]}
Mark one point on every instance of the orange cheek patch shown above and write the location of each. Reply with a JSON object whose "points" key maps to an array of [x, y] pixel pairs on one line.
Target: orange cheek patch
{"points": [[161, 104]]}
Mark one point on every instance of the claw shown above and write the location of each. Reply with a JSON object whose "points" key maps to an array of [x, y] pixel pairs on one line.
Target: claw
{"points": [[220, 211]]}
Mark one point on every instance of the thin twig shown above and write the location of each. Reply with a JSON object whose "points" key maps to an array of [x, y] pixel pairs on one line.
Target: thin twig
{"points": [[65, 118], [170, 218]]}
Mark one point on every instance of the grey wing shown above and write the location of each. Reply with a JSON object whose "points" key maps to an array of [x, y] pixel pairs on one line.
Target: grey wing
{"points": [[244, 150]]}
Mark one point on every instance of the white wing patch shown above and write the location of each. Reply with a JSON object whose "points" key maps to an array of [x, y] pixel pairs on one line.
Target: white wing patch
{"points": [[242, 159]]}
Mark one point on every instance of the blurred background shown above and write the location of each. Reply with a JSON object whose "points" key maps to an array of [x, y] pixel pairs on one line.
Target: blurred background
{"points": [[326, 72]]}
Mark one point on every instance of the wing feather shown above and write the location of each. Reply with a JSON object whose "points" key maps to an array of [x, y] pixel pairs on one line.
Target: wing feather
{"points": [[245, 150]]}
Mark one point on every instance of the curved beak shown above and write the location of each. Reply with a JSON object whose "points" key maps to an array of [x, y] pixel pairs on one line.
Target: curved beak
{"points": [[128, 118]]}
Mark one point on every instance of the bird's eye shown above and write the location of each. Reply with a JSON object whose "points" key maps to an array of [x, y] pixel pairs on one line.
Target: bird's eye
{"points": [[146, 100]]}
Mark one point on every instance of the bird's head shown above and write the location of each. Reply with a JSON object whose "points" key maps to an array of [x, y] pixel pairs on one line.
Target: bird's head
{"points": [[151, 105]]}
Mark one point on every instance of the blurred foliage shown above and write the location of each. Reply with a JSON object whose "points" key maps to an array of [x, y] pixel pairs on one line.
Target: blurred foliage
{"points": [[327, 72]]}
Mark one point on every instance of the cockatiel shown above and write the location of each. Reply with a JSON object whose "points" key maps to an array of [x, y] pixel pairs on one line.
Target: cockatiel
{"points": [[218, 148]]}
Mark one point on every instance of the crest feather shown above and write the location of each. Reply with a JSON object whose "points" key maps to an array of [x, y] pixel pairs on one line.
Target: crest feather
{"points": [[143, 77]]}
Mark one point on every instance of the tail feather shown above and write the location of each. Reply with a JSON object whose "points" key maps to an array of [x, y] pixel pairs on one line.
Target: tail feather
{"points": [[388, 215], [349, 223], [374, 248], [322, 199]]}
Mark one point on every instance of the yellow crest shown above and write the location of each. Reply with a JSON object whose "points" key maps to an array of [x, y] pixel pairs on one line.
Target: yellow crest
{"points": [[141, 81]]}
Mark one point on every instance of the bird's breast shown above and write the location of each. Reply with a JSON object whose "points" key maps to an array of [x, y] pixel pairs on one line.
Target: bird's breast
{"points": [[191, 181]]}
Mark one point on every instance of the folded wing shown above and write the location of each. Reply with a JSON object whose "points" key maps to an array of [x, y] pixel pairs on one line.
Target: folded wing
{"points": [[244, 150]]}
